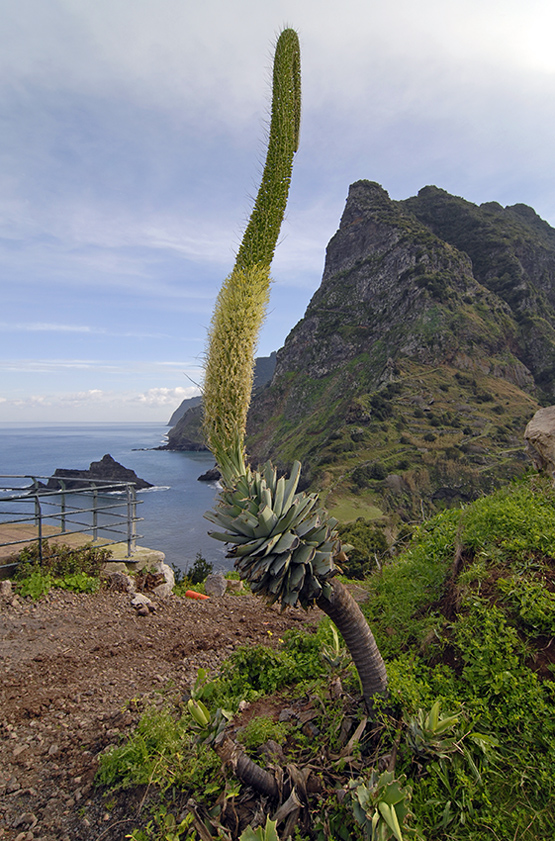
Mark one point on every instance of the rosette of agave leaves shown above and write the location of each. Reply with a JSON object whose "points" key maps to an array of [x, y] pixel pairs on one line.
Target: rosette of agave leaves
{"points": [[282, 543]]}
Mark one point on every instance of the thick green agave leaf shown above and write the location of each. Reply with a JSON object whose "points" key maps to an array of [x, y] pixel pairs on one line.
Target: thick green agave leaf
{"points": [[267, 520], [270, 476], [303, 554], [249, 548], [291, 485], [233, 524], [287, 541], [278, 496], [296, 576], [226, 537], [310, 524], [280, 563]]}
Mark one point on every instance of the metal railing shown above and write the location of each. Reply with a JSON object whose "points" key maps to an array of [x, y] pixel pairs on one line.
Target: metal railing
{"points": [[105, 510]]}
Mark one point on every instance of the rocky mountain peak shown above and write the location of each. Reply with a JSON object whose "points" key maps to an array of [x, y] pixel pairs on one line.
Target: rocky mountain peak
{"points": [[425, 347]]}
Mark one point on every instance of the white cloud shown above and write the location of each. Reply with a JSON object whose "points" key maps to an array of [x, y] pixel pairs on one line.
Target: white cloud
{"points": [[165, 396], [100, 405], [135, 367], [46, 327]]}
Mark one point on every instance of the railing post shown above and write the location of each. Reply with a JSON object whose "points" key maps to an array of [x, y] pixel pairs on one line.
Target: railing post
{"points": [[131, 518], [95, 512], [38, 518], [37, 504], [63, 507]]}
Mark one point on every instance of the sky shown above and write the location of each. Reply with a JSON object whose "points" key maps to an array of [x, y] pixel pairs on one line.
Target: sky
{"points": [[132, 141]]}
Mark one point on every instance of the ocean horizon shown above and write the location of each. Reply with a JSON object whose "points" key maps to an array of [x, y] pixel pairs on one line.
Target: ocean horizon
{"points": [[172, 510]]}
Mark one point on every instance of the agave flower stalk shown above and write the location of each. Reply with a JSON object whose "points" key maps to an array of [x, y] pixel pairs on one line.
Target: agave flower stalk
{"points": [[241, 304]]}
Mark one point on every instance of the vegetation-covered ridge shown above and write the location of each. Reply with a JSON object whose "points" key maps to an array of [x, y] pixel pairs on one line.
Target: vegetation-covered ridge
{"points": [[463, 748], [429, 342]]}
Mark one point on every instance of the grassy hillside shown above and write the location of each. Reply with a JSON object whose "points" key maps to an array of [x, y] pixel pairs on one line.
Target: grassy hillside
{"points": [[431, 438]]}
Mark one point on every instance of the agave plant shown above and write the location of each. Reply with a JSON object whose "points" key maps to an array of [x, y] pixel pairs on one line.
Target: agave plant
{"points": [[283, 543]]}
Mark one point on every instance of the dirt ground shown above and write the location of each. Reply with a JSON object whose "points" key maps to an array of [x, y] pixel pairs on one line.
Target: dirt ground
{"points": [[69, 665]]}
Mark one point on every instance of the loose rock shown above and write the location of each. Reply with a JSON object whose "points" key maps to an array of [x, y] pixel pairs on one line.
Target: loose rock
{"points": [[215, 585]]}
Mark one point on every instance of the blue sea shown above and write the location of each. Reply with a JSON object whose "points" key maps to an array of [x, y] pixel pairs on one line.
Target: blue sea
{"points": [[172, 510]]}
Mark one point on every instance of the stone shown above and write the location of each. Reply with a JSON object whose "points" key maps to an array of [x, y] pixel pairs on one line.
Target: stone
{"points": [[234, 585], [142, 604], [139, 599], [27, 819], [215, 585], [163, 591], [167, 572], [6, 591], [119, 580], [111, 567], [540, 440]]}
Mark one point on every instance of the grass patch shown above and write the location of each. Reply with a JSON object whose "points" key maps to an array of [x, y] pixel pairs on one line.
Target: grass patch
{"points": [[348, 509]]}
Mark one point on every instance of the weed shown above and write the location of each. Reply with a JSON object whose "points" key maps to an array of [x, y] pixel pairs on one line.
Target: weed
{"points": [[259, 730], [162, 751], [61, 566]]}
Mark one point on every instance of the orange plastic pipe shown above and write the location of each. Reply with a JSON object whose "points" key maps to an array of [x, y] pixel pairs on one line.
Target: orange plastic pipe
{"points": [[192, 595]]}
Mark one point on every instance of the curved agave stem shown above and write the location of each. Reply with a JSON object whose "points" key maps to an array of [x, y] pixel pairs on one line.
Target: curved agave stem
{"points": [[342, 609], [245, 769], [241, 304]]}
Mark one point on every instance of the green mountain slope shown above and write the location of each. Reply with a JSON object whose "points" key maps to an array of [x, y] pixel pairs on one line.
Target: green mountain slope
{"points": [[410, 379]]}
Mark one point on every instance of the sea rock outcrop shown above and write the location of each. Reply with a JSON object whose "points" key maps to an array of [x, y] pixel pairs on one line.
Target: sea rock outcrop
{"points": [[105, 470]]}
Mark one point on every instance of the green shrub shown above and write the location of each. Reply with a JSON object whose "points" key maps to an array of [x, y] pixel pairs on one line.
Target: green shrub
{"points": [[78, 582], [200, 570], [61, 567], [368, 542], [517, 521], [61, 560], [532, 602]]}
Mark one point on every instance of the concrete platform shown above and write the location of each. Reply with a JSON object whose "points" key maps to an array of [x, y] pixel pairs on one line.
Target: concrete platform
{"points": [[27, 534]]}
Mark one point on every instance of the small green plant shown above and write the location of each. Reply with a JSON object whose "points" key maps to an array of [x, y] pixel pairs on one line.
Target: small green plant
{"points": [[429, 732], [260, 729], [266, 833], [381, 806], [335, 654], [34, 584], [163, 826], [200, 570]]}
